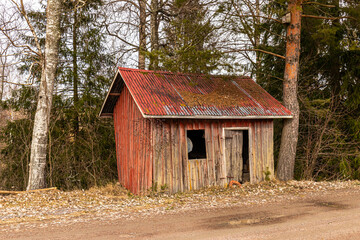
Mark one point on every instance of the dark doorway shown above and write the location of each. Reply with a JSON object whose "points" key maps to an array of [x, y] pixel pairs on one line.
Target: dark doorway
{"points": [[245, 156], [237, 155]]}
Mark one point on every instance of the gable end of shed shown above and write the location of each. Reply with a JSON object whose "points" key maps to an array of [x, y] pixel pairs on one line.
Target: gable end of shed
{"points": [[115, 90]]}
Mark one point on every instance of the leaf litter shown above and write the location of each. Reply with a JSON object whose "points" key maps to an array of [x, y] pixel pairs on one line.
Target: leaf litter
{"points": [[41, 209]]}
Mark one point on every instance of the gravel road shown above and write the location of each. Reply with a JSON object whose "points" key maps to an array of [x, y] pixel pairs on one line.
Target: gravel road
{"points": [[320, 213]]}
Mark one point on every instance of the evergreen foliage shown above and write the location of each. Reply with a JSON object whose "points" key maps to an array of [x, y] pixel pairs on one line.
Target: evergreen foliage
{"points": [[76, 159], [81, 146], [190, 39], [328, 145]]}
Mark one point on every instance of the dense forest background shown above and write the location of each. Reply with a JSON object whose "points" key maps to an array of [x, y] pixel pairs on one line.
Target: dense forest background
{"points": [[203, 36]]}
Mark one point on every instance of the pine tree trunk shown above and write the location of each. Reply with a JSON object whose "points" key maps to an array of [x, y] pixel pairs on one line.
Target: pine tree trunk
{"points": [[257, 22], [75, 86], [289, 137], [154, 37], [335, 70], [42, 115], [142, 34]]}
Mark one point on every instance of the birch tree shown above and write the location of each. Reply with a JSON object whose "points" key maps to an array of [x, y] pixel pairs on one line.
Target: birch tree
{"points": [[16, 28], [49, 63], [3, 64]]}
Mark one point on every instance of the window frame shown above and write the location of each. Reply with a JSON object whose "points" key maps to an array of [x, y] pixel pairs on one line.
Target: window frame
{"points": [[186, 137]]}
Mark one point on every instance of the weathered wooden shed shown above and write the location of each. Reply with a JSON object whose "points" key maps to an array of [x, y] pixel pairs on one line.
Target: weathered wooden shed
{"points": [[186, 131]]}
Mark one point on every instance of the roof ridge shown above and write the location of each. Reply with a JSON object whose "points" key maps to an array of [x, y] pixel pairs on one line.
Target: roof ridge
{"points": [[182, 73], [162, 94]]}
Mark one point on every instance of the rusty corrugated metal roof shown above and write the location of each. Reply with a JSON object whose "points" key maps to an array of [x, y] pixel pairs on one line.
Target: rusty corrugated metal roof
{"points": [[180, 95]]}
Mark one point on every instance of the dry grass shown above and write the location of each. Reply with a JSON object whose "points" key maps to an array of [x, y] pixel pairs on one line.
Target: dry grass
{"points": [[111, 189], [113, 202]]}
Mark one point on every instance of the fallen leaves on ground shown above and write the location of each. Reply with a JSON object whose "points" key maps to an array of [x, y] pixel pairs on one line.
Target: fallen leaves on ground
{"points": [[113, 202]]}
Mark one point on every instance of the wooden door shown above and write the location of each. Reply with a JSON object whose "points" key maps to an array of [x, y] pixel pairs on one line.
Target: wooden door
{"points": [[233, 155]]}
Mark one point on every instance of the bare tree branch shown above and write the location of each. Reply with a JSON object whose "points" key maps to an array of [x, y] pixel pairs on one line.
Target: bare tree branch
{"points": [[328, 18], [257, 50], [121, 39], [320, 4], [21, 9], [4, 31]]}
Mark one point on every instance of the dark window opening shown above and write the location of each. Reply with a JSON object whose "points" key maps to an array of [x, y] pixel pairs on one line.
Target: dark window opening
{"points": [[196, 144]]}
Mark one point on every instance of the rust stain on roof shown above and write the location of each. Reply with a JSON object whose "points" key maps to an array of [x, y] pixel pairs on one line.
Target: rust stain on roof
{"points": [[166, 94], [222, 94]]}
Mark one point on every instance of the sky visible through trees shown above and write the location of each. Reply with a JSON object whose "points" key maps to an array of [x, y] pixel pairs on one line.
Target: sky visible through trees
{"points": [[205, 36]]}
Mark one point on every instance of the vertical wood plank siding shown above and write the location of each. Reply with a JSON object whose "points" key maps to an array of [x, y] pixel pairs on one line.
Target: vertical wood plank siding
{"points": [[173, 170], [154, 152], [133, 145]]}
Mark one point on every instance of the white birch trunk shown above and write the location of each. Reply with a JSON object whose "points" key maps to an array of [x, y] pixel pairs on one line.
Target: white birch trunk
{"points": [[42, 115]]}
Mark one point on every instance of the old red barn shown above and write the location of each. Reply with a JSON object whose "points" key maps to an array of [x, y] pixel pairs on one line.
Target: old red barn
{"points": [[186, 131]]}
